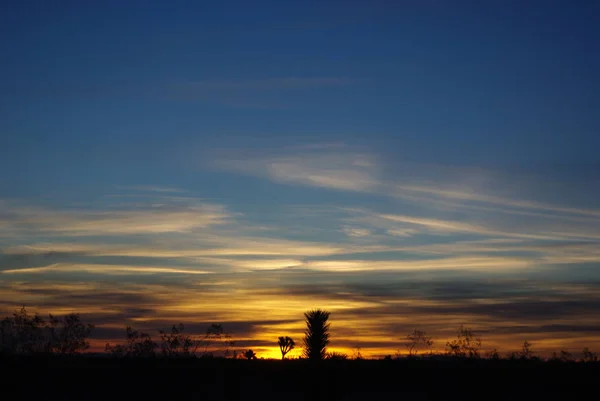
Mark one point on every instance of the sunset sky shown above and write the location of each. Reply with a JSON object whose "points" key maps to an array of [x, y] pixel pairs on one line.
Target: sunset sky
{"points": [[402, 164]]}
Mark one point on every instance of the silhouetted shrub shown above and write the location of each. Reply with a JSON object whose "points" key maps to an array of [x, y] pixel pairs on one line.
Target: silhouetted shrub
{"points": [[336, 356]]}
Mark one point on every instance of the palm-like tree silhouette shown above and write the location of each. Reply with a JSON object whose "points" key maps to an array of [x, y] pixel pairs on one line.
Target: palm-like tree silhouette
{"points": [[316, 336], [286, 344]]}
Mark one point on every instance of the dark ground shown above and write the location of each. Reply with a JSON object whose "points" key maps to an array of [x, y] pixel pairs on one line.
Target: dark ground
{"points": [[108, 379]]}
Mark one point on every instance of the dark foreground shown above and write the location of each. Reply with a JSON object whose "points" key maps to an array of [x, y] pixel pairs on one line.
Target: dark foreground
{"points": [[108, 379]]}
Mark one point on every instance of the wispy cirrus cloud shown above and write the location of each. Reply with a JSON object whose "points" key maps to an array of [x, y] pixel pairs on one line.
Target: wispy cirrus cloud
{"points": [[356, 232], [434, 191], [345, 168], [449, 226], [321, 168], [471, 196], [208, 237], [401, 258], [453, 263], [103, 269], [144, 219]]}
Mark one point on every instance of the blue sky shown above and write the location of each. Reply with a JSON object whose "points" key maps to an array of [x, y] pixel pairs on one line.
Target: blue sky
{"points": [[382, 158]]}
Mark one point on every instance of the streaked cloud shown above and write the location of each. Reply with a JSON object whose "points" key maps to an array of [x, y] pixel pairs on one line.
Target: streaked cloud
{"points": [[345, 168], [455, 263], [356, 232], [320, 167], [142, 220], [494, 200], [386, 253], [103, 269], [375, 316]]}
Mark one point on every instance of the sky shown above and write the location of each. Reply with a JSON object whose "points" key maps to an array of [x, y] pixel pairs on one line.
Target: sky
{"points": [[403, 164]]}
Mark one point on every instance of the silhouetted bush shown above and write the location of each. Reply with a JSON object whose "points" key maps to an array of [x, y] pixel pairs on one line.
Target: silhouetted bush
{"points": [[336, 356]]}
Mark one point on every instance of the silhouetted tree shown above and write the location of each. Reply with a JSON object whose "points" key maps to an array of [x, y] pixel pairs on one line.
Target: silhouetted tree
{"points": [[466, 345], [286, 344], [24, 333], [138, 344], [316, 336], [589, 356], [250, 354], [68, 335], [176, 343], [416, 338]]}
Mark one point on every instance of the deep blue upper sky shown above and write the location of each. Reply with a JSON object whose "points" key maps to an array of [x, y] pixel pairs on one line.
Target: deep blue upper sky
{"points": [[91, 87]]}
